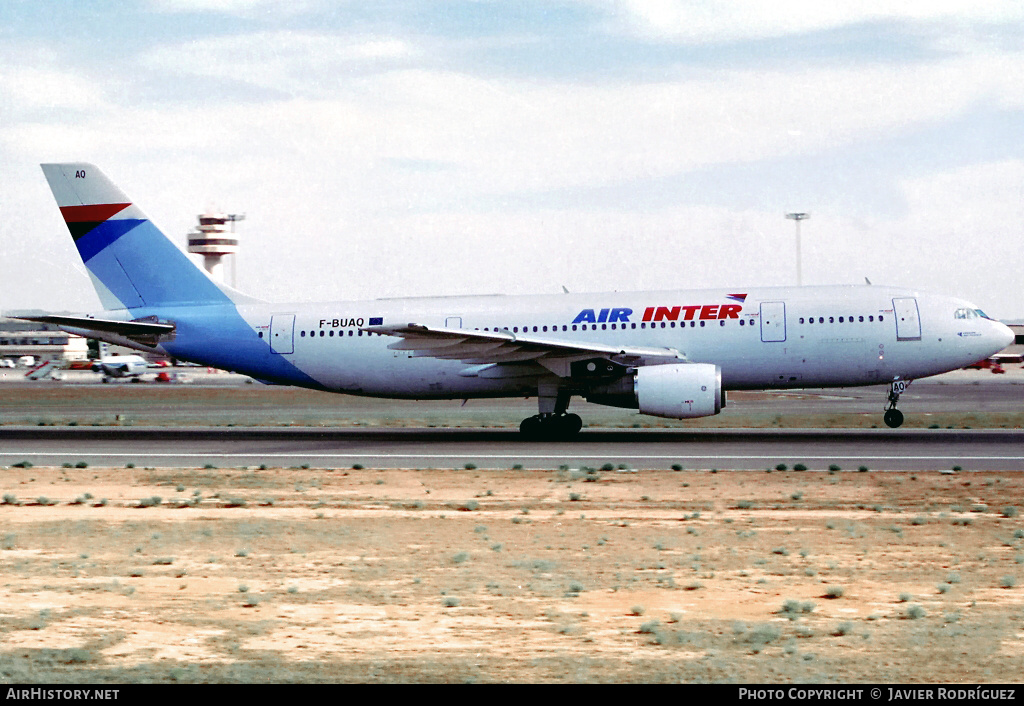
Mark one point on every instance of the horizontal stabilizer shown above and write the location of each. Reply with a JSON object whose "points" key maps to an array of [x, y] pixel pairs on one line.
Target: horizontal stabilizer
{"points": [[123, 328]]}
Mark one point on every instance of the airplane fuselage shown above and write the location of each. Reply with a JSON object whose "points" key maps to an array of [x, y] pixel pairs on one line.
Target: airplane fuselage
{"points": [[760, 338]]}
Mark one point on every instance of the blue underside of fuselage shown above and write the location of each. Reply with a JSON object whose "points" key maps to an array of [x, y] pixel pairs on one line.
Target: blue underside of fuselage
{"points": [[218, 336]]}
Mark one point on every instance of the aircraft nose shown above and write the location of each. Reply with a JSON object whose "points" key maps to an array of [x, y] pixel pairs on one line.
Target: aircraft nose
{"points": [[1004, 335]]}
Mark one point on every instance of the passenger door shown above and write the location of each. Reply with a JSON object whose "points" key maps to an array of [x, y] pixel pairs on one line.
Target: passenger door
{"points": [[282, 333], [908, 319], [773, 322]]}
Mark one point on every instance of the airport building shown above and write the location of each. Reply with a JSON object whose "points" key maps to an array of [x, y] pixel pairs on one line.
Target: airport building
{"points": [[21, 340]]}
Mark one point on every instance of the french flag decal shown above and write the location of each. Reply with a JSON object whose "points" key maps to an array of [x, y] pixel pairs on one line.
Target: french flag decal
{"points": [[737, 297], [376, 321]]}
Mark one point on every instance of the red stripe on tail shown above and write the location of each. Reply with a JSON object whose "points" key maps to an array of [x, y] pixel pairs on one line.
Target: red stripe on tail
{"points": [[91, 214]]}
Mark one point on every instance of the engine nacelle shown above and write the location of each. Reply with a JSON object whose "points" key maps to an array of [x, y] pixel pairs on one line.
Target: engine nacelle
{"points": [[678, 391]]}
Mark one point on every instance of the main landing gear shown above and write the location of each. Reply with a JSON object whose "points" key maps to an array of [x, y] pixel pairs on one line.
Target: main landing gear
{"points": [[893, 417], [551, 426], [553, 422]]}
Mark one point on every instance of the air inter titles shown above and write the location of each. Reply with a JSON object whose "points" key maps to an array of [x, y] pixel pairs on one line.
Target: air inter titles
{"points": [[702, 312]]}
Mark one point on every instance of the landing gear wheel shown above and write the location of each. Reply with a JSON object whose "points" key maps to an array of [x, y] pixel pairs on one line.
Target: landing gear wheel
{"points": [[893, 418], [571, 424], [550, 427], [531, 427]]}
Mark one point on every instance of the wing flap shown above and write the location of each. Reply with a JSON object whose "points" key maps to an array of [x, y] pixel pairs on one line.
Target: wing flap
{"points": [[489, 347]]}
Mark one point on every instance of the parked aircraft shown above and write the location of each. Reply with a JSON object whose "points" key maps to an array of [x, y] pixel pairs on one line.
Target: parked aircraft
{"points": [[121, 366], [671, 353]]}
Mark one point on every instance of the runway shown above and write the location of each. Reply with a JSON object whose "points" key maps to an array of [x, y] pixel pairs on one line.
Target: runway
{"points": [[647, 449]]}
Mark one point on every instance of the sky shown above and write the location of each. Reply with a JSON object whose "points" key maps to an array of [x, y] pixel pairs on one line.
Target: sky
{"points": [[413, 147]]}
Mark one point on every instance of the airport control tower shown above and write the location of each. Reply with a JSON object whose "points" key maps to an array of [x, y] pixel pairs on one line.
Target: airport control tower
{"points": [[213, 238]]}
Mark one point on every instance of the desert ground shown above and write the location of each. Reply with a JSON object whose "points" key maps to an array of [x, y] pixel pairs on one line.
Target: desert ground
{"points": [[517, 575]]}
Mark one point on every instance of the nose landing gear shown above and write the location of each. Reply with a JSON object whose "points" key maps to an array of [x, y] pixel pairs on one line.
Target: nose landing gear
{"points": [[893, 417]]}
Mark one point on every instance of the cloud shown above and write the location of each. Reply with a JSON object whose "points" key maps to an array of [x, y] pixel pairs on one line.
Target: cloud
{"points": [[380, 161], [293, 62], [35, 84], [234, 7], [713, 21]]}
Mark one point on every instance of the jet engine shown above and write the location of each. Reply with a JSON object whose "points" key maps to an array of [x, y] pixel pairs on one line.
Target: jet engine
{"points": [[678, 391]]}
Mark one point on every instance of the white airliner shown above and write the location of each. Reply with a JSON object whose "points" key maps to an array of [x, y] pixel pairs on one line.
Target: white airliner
{"points": [[121, 366], [669, 353]]}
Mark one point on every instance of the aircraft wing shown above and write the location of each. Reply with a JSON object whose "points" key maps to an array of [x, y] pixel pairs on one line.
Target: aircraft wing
{"points": [[123, 328], [495, 347]]}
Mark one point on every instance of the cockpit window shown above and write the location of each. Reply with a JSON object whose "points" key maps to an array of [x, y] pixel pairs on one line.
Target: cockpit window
{"points": [[966, 313]]}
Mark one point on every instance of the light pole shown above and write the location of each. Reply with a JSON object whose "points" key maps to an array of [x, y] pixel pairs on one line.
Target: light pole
{"points": [[233, 218], [798, 217]]}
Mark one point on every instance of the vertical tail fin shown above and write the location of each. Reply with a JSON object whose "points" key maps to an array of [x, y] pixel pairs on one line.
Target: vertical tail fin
{"points": [[132, 264]]}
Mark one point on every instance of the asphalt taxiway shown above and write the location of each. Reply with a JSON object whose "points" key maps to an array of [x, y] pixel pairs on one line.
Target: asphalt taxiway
{"points": [[720, 449]]}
